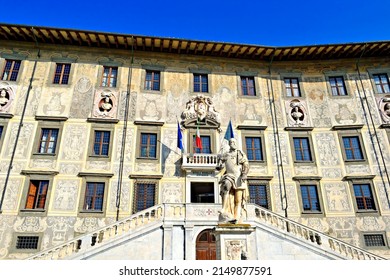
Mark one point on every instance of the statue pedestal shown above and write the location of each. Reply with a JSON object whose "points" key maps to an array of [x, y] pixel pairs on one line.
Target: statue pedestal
{"points": [[233, 241]]}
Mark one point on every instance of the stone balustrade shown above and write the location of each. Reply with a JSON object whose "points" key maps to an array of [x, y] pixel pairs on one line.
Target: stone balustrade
{"points": [[200, 161], [179, 212], [315, 237], [102, 235]]}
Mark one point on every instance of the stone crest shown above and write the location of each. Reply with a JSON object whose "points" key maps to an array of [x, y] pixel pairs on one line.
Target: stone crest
{"points": [[200, 107]]}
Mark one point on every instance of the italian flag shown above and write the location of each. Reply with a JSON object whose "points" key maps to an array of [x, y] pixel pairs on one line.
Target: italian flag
{"points": [[198, 140]]}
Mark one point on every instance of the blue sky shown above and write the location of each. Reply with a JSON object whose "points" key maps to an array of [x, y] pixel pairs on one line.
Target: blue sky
{"points": [[269, 23]]}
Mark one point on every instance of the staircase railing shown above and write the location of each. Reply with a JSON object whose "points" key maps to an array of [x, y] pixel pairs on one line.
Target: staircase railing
{"points": [[83, 242], [178, 212], [313, 236]]}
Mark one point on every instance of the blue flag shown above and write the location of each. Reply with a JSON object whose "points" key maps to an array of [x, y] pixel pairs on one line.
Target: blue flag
{"points": [[229, 132], [180, 144]]}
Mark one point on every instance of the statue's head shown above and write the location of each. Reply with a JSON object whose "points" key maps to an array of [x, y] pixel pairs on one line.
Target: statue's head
{"points": [[233, 143]]}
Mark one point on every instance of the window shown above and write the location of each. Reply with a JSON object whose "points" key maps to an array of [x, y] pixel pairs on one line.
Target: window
{"points": [[27, 242], [148, 145], [259, 193], [302, 149], [352, 148], [101, 143], [61, 75], [94, 196], [11, 70], [381, 83], [37, 193], [109, 76], [1, 131], [374, 240], [152, 80], [201, 83], [364, 197], [253, 148], [292, 87], [248, 86], [48, 141], [145, 195], [206, 145], [337, 86], [310, 199]]}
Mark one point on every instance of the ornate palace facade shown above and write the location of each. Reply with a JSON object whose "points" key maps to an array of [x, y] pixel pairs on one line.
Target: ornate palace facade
{"points": [[90, 166]]}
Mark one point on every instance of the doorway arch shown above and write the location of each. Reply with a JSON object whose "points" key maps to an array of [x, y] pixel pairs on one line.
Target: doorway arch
{"points": [[206, 248]]}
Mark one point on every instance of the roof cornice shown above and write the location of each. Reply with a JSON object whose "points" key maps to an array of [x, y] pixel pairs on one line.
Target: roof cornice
{"points": [[63, 36]]}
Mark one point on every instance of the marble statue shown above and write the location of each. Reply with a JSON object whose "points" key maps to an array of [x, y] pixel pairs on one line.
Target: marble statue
{"points": [[233, 184]]}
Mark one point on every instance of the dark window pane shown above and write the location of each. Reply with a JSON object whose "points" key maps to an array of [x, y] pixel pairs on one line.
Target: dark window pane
{"points": [[145, 196], [310, 200], [27, 242], [258, 194]]}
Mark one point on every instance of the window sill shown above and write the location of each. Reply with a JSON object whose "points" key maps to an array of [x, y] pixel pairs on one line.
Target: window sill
{"points": [[32, 210], [367, 213], [257, 161], [248, 96], [355, 161], [150, 91], [147, 159], [99, 158], [340, 96], [92, 212], [45, 154], [313, 213]]}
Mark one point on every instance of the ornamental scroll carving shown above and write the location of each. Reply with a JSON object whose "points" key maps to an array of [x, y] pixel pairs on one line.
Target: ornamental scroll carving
{"points": [[200, 108]]}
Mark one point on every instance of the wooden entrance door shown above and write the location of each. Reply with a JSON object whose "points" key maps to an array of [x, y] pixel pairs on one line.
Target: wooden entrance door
{"points": [[205, 246]]}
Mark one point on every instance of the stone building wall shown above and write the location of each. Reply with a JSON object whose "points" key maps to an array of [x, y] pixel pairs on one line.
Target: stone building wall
{"points": [[74, 107]]}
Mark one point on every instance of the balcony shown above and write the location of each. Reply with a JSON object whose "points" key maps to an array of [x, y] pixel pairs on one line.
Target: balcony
{"points": [[200, 161]]}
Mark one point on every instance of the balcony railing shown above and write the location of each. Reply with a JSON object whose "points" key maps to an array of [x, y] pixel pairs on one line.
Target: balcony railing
{"points": [[200, 161]]}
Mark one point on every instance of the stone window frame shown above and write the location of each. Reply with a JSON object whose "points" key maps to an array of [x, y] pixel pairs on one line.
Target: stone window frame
{"points": [[302, 133], [263, 181], [155, 68], [376, 71], [52, 70], [148, 127], [100, 126], [12, 71], [91, 177], [33, 175], [15, 235], [47, 123], [363, 180], [254, 131], [255, 76], [385, 239], [351, 132], [4, 123], [292, 75], [101, 65], [144, 180], [310, 181], [200, 72], [346, 80], [3, 61]]}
